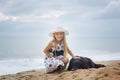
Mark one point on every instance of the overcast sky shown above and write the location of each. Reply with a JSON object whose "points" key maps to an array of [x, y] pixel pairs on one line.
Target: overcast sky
{"points": [[84, 18], [94, 24]]}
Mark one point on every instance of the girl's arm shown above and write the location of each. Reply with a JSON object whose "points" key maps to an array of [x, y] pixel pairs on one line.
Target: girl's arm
{"points": [[70, 52], [47, 48]]}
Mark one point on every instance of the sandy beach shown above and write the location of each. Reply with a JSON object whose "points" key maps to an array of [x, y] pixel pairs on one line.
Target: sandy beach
{"points": [[110, 72]]}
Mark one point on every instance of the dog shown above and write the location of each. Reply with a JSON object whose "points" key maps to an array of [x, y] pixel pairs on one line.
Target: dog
{"points": [[82, 63]]}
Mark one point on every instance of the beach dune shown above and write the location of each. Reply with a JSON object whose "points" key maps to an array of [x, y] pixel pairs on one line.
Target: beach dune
{"points": [[110, 72]]}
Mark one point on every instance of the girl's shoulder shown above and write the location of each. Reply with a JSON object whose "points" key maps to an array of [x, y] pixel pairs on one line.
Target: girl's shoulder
{"points": [[51, 43]]}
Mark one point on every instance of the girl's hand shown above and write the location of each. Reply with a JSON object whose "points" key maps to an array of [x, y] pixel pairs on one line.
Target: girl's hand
{"points": [[56, 57], [50, 55], [75, 57]]}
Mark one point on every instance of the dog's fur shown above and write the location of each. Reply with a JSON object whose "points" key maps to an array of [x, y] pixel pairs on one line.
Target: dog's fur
{"points": [[83, 63]]}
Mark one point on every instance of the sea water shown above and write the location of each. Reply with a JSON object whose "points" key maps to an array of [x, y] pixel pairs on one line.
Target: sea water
{"points": [[12, 66]]}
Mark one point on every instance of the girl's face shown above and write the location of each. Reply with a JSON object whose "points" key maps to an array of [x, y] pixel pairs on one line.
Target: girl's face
{"points": [[59, 36]]}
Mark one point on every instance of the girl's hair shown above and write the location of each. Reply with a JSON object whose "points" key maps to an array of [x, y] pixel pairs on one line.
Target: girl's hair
{"points": [[64, 44]]}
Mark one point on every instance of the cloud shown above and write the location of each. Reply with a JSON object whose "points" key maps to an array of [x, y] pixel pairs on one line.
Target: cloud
{"points": [[21, 11], [4, 17], [53, 14], [82, 10], [111, 11], [32, 18]]}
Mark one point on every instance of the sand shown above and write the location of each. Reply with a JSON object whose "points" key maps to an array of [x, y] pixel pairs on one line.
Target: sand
{"points": [[110, 72]]}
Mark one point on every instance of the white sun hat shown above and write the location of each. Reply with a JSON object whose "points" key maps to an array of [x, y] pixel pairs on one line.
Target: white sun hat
{"points": [[58, 29]]}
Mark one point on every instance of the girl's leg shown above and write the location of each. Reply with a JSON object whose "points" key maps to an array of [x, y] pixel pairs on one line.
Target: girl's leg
{"points": [[65, 60]]}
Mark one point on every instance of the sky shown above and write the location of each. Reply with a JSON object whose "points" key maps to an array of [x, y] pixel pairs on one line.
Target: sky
{"points": [[93, 19]]}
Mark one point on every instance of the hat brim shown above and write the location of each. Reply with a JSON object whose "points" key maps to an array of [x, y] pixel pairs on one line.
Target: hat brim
{"points": [[51, 34]]}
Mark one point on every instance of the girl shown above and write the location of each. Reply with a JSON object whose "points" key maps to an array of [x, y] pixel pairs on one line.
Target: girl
{"points": [[56, 51]]}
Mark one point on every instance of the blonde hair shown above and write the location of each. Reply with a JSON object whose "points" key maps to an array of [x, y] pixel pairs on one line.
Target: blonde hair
{"points": [[64, 44]]}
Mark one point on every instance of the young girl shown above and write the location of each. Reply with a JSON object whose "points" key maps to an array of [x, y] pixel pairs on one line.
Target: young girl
{"points": [[56, 51]]}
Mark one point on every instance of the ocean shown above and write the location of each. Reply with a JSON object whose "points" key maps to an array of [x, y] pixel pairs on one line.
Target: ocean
{"points": [[21, 53]]}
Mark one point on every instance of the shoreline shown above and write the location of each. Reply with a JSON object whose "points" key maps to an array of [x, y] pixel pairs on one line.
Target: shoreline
{"points": [[110, 72]]}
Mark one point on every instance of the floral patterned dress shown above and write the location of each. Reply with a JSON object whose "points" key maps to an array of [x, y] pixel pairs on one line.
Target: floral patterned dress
{"points": [[52, 63]]}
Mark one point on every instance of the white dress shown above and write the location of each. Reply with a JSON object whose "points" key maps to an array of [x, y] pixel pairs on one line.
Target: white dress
{"points": [[51, 63]]}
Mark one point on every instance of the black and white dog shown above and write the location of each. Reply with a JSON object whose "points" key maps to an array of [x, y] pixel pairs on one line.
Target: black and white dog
{"points": [[82, 63]]}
